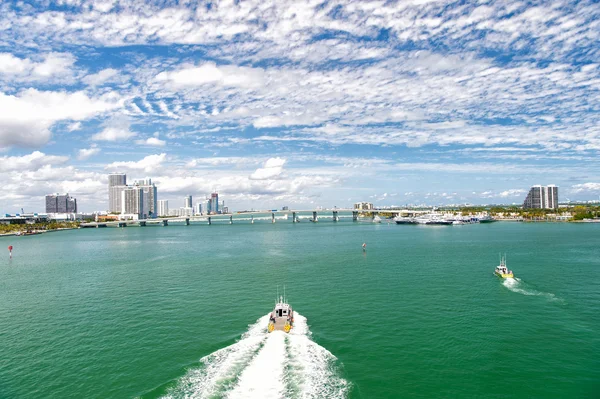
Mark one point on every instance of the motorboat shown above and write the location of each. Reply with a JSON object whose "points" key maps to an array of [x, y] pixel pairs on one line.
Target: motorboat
{"points": [[502, 271], [404, 220], [487, 219], [282, 317]]}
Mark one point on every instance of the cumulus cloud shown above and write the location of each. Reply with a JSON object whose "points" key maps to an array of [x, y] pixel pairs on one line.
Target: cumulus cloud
{"points": [[97, 79], [512, 193], [30, 162], [19, 126], [113, 134], [152, 141], [272, 169], [147, 164], [52, 64], [86, 153], [210, 73], [586, 188]]}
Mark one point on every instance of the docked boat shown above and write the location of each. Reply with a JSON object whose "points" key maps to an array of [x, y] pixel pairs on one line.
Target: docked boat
{"points": [[433, 219], [501, 270], [486, 219], [404, 220], [282, 317]]}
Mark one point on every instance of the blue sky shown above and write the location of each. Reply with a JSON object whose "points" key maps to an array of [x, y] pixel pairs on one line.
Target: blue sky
{"points": [[299, 103]]}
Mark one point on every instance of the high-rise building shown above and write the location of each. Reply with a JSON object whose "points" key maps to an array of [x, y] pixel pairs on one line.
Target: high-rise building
{"points": [[198, 209], [208, 206], [187, 201], [163, 207], [116, 184], [132, 201], [214, 203], [542, 197], [56, 203], [150, 193]]}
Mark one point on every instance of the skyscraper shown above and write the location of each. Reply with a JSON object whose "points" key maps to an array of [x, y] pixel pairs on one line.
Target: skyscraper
{"points": [[208, 206], [163, 207], [150, 194], [56, 203], [187, 202], [132, 200], [542, 197], [116, 184], [198, 209], [214, 203]]}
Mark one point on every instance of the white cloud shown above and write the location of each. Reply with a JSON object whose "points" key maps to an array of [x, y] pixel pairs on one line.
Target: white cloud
{"points": [[30, 162], [85, 153], [74, 126], [152, 141], [19, 126], [210, 73], [272, 169], [51, 64], [148, 164], [97, 79], [586, 188], [113, 134], [512, 193]]}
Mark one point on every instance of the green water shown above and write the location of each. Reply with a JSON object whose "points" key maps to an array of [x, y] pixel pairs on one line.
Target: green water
{"points": [[117, 313]]}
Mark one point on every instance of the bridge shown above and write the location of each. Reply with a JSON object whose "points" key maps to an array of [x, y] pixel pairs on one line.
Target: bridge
{"points": [[297, 216]]}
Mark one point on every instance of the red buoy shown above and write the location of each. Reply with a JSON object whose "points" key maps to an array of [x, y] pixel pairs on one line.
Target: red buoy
{"points": [[10, 250]]}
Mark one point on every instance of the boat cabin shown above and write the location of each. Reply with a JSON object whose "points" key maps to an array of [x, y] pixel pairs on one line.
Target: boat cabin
{"points": [[282, 310]]}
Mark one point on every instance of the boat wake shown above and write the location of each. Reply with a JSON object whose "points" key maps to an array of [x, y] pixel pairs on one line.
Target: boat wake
{"points": [[518, 286], [263, 365]]}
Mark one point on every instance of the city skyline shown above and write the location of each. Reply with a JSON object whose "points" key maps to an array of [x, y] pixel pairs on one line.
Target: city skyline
{"points": [[308, 104]]}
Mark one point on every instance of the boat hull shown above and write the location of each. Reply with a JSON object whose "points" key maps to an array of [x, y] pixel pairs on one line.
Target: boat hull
{"points": [[504, 275]]}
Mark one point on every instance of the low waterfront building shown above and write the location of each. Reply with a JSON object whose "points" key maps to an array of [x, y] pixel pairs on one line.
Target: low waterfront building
{"points": [[363, 206]]}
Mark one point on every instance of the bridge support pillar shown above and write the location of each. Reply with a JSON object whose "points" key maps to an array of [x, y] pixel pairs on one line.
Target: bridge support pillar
{"points": [[209, 221], [354, 216], [293, 217], [230, 219], [165, 222], [143, 224], [272, 217], [187, 221], [315, 217], [335, 216]]}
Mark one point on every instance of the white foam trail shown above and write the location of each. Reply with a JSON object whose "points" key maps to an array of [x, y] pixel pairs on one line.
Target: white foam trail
{"points": [[312, 368], [220, 368], [515, 285], [264, 375], [263, 365]]}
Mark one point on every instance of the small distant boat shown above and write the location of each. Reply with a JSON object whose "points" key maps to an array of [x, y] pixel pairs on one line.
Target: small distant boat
{"points": [[27, 233], [502, 271], [282, 317], [376, 219]]}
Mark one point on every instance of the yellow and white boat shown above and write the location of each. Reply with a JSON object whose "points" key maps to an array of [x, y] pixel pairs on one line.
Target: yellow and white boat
{"points": [[282, 317], [502, 271]]}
